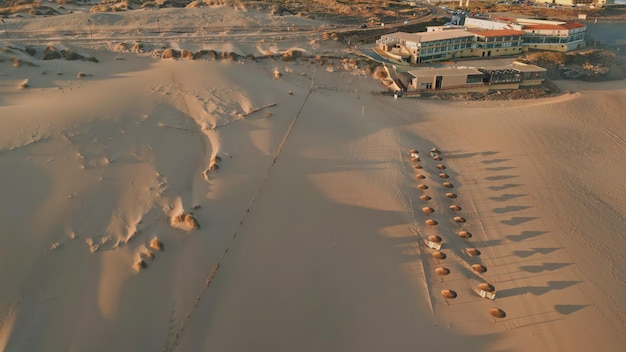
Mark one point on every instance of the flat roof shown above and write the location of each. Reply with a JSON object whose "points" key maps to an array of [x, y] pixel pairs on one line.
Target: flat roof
{"points": [[496, 32], [454, 71], [430, 36], [515, 66]]}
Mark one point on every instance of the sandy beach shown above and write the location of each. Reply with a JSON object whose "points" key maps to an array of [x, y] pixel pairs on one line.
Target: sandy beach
{"points": [[312, 233]]}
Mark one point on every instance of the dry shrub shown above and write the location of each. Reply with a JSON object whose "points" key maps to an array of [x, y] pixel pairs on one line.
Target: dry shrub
{"points": [[381, 73], [137, 47], [99, 8], [211, 54], [170, 53], [140, 264], [291, 55], [122, 47], [186, 54], [185, 222], [156, 244], [51, 53]]}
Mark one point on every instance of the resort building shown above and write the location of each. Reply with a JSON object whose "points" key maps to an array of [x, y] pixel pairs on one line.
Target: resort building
{"points": [[476, 79], [539, 34]]}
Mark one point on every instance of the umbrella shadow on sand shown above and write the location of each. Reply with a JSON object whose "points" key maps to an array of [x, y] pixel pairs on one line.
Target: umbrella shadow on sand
{"points": [[537, 290], [543, 267], [567, 309], [524, 235]]}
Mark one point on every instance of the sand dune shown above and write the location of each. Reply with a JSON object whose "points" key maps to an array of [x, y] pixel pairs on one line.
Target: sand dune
{"points": [[312, 229]]}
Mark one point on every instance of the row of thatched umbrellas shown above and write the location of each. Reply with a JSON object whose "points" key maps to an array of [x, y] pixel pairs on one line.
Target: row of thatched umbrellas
{"points": [[436, 241]]}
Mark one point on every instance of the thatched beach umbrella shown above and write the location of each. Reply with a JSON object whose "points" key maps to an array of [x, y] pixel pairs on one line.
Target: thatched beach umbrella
{"points": [[497, 312], [450, 294], [448, 184], [437, 157], [415, 159], [459, 219], [465, 234], [417, 167], [442, 271], [422, 186], [424, 197], [472, 251], [413, 151], [434, 238], [451, 195], [431, 222], [443, 175], [428, 210], [479, 268], [487, 287], [455, 207], [439, 255], [420, 176], [441, 166]]}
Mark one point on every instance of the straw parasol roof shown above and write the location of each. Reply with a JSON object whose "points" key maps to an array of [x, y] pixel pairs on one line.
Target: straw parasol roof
{"points": [[437, 157], [486, 287], [442, 271], [420, 176], [465, 234], [443, 175], [415, 160], [472, 251], [416, 167], [451, 195], [435, 150], [413, 151], [424, 197], [459, 219], [428, 210], [431, 222], [439, 255], [448, 294], [422, 186], [441, 166], [434, 238], [479, 268], [448, 185], [455, 207], [497, 312]]}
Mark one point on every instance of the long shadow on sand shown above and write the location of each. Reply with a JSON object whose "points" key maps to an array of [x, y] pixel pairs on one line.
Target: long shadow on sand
{"points": [[494, 161], [517, 220], [543, 267], [510, 209], [500, 178], [533, 251], [505, 197], [503, 187], [537, 290], [500, 168], [567, 309], [524, 235]]}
